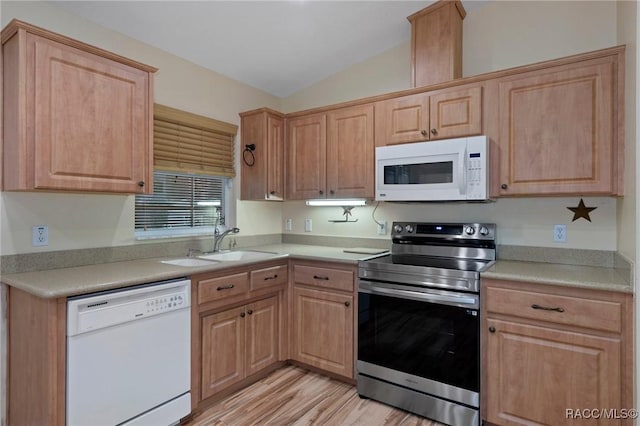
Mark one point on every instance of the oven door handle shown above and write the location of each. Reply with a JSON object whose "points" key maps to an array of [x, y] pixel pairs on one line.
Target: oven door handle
{"points": [[462, 300]]}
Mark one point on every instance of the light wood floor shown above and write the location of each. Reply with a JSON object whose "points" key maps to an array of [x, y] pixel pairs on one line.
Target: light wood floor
{"points": [[294, 396]]}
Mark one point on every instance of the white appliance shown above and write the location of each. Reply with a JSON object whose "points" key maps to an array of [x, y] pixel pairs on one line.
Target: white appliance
{"points": [[444, 170], [128, 356]]}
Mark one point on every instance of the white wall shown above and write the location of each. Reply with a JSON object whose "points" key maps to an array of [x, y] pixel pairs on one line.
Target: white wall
{"points": [[498, 35], [83, 221]]}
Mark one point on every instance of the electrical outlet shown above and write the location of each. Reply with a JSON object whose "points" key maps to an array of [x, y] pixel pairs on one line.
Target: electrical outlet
{"points": [[288, 225], [307, 225], [560, 233], [382, 227], [40, 235]]}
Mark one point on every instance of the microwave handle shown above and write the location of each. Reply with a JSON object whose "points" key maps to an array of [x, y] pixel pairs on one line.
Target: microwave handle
{"points": [[462, 185]]}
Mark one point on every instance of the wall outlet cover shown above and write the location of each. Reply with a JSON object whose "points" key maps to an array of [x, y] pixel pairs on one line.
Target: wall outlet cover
{"points": [[288, 225], [560, 233], [382, 227], [40, 235], [307, 225]]}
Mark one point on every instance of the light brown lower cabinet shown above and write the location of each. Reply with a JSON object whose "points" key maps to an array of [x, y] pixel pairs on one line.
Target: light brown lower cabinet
{"points": [[238, 343], [553, 353], [323, 318]]}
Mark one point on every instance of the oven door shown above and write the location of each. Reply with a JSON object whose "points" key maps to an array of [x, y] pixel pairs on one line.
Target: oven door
{"points": [[423, 339]]}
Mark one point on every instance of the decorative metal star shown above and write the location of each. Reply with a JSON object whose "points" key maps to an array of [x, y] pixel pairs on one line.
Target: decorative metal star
{"points": [[581, 211]]}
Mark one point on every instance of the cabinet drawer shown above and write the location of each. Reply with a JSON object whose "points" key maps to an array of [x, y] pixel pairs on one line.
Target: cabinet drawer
{"points": [[267, 277], [218, 288], [588, 313], [338, 279]]}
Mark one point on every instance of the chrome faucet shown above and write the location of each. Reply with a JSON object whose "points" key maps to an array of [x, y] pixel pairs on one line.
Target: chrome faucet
{"points": [[219, 236]]}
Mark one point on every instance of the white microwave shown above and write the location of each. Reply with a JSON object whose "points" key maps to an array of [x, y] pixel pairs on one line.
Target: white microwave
{"points": [[444, 170]]}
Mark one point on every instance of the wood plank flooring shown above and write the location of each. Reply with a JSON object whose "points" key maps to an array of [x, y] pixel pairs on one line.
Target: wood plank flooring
{"points": [[295, 396]]}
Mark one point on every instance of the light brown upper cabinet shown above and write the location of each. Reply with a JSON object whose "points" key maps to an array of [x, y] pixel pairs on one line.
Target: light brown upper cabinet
{"points": [[446, 113], [262, 166], [561, 128], [331, 155], [436, 43], [76, 118]]}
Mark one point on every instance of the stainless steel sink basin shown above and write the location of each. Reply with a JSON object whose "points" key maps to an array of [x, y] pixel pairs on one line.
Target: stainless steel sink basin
{"points": [[188, 261], [225, 256]]}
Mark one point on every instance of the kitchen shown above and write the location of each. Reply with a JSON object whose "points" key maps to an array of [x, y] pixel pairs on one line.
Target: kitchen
{"points": [[83, 221]]}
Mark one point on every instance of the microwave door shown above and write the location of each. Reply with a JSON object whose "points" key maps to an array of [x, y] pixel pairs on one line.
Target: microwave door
{"points": [[431, 177]]}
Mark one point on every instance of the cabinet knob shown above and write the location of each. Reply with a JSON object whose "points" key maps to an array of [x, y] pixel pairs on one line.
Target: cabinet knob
{"points": [[347, 303], [332, 192], [492, 329], [504, 186], [272, 192], [424, 132], [250, 311], [242, 314], [321, 192], [141, 184], [434, 131]]}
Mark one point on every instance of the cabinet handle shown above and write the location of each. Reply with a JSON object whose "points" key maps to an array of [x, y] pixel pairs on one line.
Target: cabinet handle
{"points": [[504, 186], [492, 329], [424, 132], [225, 287], [347, 303], [141, 184], [319, 277], [272, 277], [242, 314], [546, 308], [434, 131], [250, 311]]}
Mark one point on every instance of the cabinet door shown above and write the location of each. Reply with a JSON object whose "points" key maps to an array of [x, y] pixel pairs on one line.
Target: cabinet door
{"points": [[275, 157], [402, 120], [323, 330], [91, 121], [350, 152], [306, 147], [535, 374], [557, 130], [455, 113], [223, 336], [262, 335]]}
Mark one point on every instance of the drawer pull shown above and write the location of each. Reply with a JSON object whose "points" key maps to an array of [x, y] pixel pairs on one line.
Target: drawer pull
{"points": [[225, 287], [492, 329], [545, 308], [250, 311], [242, 314], [320, 277], [272, 277]]}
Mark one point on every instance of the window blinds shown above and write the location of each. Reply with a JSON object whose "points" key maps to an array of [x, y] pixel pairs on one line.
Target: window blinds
{"points": [[191, 143], [180, 201]]}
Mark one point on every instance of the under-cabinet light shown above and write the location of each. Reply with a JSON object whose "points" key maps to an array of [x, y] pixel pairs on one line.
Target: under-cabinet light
{"points": [[338, 203], [209, 203]]}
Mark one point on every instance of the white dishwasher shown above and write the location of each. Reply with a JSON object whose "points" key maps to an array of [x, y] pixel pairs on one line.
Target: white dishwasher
{"points": [[128, 356]]}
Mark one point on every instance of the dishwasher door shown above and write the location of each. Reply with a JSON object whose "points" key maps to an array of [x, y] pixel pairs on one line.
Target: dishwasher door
{"points": [[128, 356]]}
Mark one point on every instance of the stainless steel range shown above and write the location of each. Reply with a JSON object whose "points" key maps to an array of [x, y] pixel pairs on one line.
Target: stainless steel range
{"points": [[418, 320]]}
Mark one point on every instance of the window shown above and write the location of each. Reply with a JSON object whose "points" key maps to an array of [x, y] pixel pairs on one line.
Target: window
{"points": [[193, 162], [181, 204]]}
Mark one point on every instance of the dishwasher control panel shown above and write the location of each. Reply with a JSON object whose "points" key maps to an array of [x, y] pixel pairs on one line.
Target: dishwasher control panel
{"points": [[110, 308]]}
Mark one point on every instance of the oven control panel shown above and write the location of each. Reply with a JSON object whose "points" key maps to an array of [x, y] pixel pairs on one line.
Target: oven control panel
{"points": [[475, 231]]}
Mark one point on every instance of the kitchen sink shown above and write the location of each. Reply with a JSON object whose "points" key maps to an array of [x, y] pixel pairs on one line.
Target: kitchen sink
{"points": [[188, 261], [224, 256]]}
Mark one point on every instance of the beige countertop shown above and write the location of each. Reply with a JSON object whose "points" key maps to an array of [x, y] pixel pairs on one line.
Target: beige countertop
{"points": [[87, 279], [589, 277]]}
